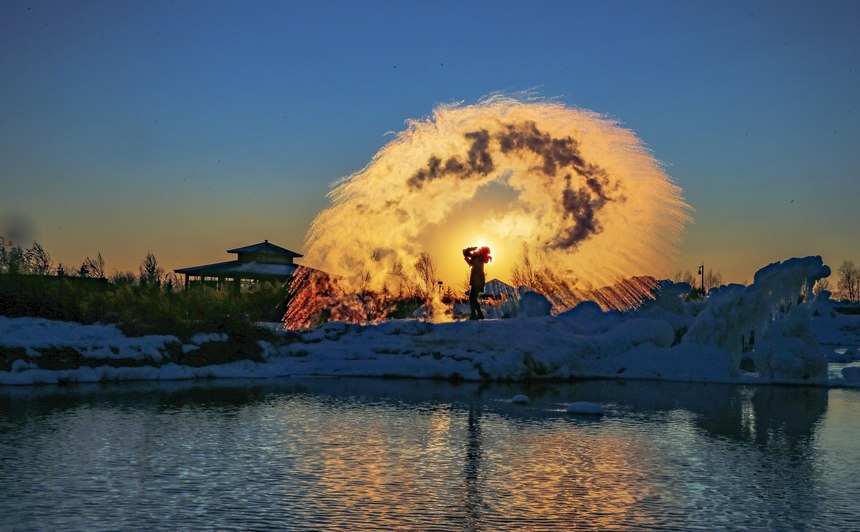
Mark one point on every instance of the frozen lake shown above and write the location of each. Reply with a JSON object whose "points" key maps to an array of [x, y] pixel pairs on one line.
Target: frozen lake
{"points": [[384, 454]]}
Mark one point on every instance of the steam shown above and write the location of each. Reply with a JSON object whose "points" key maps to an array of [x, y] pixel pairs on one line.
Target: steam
{"points": [[589, 199]]}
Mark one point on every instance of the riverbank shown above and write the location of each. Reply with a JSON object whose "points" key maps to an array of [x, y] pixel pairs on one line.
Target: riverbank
{"points": [[767, 332], [581, 345]]}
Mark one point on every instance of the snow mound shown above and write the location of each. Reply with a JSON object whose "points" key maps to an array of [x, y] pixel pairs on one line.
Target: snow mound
{"points": [[768, 324], [95, 341], [533, 304], [851, 374]]}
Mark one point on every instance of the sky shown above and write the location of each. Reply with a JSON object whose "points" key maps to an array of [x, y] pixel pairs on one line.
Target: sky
{"points": [[190, 128]]}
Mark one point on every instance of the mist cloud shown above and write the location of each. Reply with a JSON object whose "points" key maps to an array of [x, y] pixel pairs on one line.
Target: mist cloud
{"points": [[580, 201], [592, 203]]}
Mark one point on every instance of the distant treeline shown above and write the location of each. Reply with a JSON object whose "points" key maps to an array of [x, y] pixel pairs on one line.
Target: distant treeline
{"points": [[35, 260], [146, 303], [141, 309]]}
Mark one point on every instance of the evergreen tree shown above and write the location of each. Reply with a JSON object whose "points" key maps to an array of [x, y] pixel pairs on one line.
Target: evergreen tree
{"points": [[150, 272]]}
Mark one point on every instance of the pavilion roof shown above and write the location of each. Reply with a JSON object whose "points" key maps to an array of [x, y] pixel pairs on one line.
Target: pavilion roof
{"points": [[265, 248], [246, 270]]}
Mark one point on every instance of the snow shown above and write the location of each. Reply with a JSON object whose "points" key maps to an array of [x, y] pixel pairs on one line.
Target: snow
{"points": [[851, 374], [92, 341], [533, 304], [668, 338], [202, 338]]}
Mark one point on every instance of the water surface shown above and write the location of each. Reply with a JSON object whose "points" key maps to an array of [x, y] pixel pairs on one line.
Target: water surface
{"points": [[354, 453]]}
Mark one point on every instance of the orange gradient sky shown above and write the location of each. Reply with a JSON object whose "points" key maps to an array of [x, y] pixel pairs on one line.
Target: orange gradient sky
{"points": [[188, 129]]}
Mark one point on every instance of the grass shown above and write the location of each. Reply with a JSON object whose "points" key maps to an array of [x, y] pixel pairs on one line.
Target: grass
{"points": [[142, 310]]}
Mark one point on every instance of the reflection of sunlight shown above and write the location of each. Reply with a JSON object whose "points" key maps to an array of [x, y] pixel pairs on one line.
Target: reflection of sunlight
{"points": [[370, 472], [372, 465], [747, 420], [571, 476], [564, 474]]}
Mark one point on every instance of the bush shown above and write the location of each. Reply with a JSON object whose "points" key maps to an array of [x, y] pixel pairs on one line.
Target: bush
{"points": [[56, 298], [142, 310]]}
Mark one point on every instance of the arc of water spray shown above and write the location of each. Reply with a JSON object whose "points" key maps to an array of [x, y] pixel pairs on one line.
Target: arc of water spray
{"points": [[592, 202]]}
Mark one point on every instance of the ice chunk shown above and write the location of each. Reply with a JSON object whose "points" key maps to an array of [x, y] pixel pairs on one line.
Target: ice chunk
{"points": [[851, 374], [533, 304]]}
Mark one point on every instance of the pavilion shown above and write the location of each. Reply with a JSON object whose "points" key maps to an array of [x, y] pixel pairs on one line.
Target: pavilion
{"points": [[255, 263]]}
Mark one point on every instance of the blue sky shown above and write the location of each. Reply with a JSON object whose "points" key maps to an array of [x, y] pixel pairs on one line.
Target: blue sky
{"points": [[187, 128]]}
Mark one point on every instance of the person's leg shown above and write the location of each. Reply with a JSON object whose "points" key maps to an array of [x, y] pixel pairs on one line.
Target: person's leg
{"points": [[473, 304], [479, 314]]}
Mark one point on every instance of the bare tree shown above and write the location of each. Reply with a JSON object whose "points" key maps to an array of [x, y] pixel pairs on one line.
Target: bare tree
{"points": [[407, 286], [849, 281], [150, 272], [525, 273], [426, 268], [364, 279], [712, 280], [821, 285], [37, 260], [686, 277], [563, 293], [95, 268]]}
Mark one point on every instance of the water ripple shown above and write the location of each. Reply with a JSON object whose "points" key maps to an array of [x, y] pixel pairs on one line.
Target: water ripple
{"points": [[377, 455]]}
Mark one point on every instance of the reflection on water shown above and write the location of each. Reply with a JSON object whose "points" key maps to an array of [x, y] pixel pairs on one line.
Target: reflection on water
{"points": [[352, 453]]}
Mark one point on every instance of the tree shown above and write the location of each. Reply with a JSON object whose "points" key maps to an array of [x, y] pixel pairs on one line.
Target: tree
{"points": [[150, 272], [821, 285], [686, 277], [12, 258], [562, 293], [849, 281], [15, 261], [426, 268], [525, 273], [122, 278], [172, 282], [407, 286], [95, 268], [38, 260], [712, 280]]}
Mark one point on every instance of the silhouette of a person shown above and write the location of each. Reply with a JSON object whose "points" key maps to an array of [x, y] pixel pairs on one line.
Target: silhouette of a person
{"points": [[476, 258]]}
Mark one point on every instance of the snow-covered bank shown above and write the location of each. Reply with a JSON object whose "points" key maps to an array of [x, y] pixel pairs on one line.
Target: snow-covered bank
{"points": [[768, 328]]}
